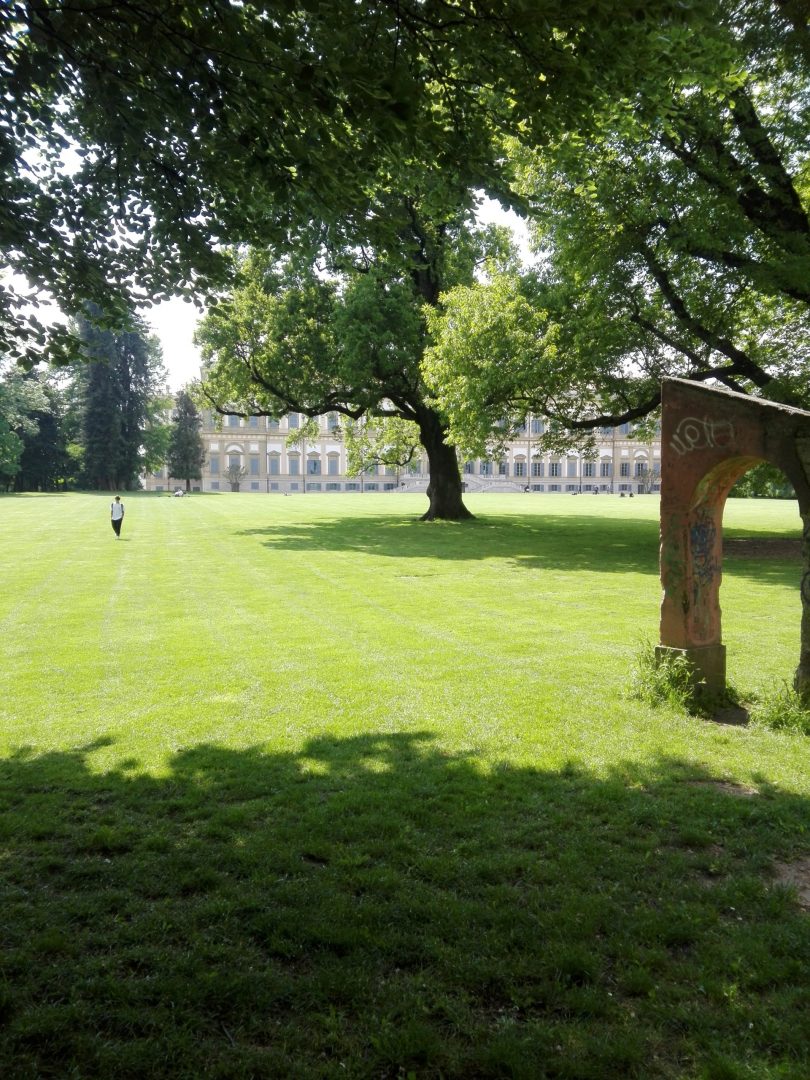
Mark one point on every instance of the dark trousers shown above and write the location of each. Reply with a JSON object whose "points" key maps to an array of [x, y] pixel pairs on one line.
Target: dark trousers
{"points": [[117, 525]]}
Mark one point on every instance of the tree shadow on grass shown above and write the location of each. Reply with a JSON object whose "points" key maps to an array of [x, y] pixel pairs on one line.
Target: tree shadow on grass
{"points": [[530, 542], [373, 907]]}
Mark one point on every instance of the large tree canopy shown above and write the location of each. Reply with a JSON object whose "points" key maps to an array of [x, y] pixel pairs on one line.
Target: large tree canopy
{"points": [[136, 140], [346, 332], [674, 241]]}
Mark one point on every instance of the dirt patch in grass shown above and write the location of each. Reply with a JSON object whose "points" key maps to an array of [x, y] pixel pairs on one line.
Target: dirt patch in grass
{"points": [[774, 548], [728, 787], [796, 874]]}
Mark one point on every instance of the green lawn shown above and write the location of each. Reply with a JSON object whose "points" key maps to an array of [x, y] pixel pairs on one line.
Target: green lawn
{"points": [[302, 787]]}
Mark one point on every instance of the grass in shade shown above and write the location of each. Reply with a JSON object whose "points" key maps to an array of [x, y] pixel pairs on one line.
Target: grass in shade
{"points": [[306, 788]]}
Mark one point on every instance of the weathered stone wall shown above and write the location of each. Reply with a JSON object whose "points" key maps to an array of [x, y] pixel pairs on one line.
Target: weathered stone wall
{"points": [[709, 438]]}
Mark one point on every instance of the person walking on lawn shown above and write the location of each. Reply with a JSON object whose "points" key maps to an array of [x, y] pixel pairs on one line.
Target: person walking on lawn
{"points": [[117, 515]]}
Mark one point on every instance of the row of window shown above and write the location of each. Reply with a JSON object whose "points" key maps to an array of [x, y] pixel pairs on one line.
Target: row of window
{"points": [[271, 424], [254, 485], [314, 466], [535, 426], [555, 468]]}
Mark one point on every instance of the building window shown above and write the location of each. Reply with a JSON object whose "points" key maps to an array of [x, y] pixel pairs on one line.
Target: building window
{"points": [[274, 464], [313, 487], [233, 421], [624, 429], [520, 468], [372, 487], [213, 464], [234, 461], [333, 423], [333, 465], [313, 467], [274, 486], [469, 468], [641, 468], [272, 423], [570, 487], [254, 466], [292, 465], [292, 420], [215, 485], [554, 469], [538, 468], [573, 465], [624, 468], [294, 486], [538, 487], [352, 487], [553, 487], [389, 487], [589, 468], [604, 468], [333, 487], [503, 468], [254, 485], [537, 426], [253, 421], [486, 468]]}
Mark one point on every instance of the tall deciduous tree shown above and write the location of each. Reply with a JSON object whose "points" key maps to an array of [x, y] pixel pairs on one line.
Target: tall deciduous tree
{"points": [[675, 241], [186, 452], [45, 464], [21, 398], [352, 341]]}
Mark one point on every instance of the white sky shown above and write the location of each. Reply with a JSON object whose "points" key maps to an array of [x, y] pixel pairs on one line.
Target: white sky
{"points": [[174, 322]]}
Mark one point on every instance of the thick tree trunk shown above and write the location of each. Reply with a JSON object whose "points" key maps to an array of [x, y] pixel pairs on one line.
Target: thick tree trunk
{"points": [[444, 487]]}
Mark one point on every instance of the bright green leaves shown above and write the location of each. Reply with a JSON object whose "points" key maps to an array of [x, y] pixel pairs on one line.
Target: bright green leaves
{"points": [[492, 348]]}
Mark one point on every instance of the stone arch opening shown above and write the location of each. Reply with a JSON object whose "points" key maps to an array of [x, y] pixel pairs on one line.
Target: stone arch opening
{"points": [[709, 439]]}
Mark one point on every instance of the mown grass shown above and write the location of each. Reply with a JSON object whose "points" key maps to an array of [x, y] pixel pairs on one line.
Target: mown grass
{"points": [[303, 787]]}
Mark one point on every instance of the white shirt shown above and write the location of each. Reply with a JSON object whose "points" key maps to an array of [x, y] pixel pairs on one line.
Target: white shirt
{"points": [[116, 510]]}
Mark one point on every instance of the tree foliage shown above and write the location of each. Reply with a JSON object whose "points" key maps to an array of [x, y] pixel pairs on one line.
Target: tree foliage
{"points": [[22, 397], [119, 375], [185, 454], [136, 140], [673, 240], [338, 325]]}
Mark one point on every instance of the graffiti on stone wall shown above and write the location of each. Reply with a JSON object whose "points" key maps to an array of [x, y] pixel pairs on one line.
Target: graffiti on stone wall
{"points": [[693, 433], [702, 537]]}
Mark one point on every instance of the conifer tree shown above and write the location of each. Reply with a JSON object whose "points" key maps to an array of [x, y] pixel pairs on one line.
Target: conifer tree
{"points": [[122, 372], [186, 454]]}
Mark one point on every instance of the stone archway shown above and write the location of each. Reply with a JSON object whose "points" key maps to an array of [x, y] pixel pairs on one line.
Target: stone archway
{"points": [[709, 438]]}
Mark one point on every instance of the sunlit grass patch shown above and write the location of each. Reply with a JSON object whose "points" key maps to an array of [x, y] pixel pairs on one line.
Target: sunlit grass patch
{"points": [[301, 787]]}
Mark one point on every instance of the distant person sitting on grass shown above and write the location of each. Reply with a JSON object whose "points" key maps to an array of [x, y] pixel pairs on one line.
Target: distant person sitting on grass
{"points": [[116, 515]]}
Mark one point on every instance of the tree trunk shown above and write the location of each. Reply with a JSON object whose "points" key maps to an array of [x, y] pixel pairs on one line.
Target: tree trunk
{"points": [[188, 484], [444, 486]]}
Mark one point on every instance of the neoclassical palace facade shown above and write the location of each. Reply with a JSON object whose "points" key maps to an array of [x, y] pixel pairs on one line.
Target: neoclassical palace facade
{"points": [[258, 446]]}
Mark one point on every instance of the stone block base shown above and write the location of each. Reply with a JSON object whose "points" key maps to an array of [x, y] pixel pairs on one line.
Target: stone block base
{"points": [[708, 661]]}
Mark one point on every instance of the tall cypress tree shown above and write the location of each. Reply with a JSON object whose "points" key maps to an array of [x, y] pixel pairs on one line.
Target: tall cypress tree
{"points": [[186, 454], [122, 373]]}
